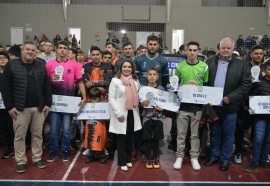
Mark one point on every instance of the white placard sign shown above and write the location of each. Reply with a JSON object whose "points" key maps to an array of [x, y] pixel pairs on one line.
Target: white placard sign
{"points": [[94, 111], [200, 94], [259, 104], [163, 99], [65, 104], [2, 106]]}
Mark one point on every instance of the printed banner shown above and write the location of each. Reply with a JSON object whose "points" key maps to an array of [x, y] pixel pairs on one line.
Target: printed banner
{"points": [[94, 111], [165, 100], [200, 94], [259, 104], [2, 106], [65, 104]]}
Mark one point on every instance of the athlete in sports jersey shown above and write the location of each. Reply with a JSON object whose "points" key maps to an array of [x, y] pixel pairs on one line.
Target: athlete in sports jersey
{"points": [[152, 60], [190, 72], [97, 74], [97, 133], [63, 73]]}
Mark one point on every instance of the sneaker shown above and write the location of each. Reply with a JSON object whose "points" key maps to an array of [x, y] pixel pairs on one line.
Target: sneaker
{"points": [[265, 165], [89, 159], [7, 153], [106, 152], [124, 168], [103, 160], [40, 164], [237, 158], [52, 157], [149, 164], [73, 146], [65, 156], [252, 167], [86, 152], [195, 164], [21, 168], [178, 163], [129, 165], [156, 164]]}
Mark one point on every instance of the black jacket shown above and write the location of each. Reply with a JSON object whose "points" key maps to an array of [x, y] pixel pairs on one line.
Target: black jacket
{"points": [[14, 85], [237, 84]]}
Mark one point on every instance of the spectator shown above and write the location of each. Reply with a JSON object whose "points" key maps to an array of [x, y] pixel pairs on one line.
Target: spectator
{"points": [[14, 52], [240, 41], [6, 127], [125, 39]]}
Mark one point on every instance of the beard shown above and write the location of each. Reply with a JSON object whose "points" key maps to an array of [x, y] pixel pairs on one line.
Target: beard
{"points": [[152, 52]]}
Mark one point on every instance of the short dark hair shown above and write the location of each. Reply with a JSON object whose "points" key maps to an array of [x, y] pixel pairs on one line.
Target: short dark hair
{"points": [[182, 47], [256, 47], [94, 48], [141, 47], [126, 44], [80, 52], [63, 42], [94, 93], [152, 38], [110, 43], [74, 51], [193, 43], [106, 53], [152, 68], [48, 41]]}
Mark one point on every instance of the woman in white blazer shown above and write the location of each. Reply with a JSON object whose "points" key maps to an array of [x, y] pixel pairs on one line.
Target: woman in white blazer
{"points": [[125, 119]]}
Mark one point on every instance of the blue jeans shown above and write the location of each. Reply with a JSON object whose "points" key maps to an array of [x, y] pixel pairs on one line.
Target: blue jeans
{"points": [[222, 136], [59, 122], [261, 140]]}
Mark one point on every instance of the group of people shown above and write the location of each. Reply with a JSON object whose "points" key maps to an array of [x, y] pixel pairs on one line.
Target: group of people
{"points": [[28, 83]]}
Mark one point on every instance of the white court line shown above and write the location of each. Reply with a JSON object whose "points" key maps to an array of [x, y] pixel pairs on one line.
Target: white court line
{"points": [[113, 169], [72, 164]]}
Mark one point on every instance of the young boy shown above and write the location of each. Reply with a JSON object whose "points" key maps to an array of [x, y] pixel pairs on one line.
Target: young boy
{"points": [[97, 133], [152, 125], [261, 138]]}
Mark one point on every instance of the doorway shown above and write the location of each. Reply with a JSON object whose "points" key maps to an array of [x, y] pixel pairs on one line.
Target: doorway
{"points": [[16, 35], [77, 32], [177, 39]]}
